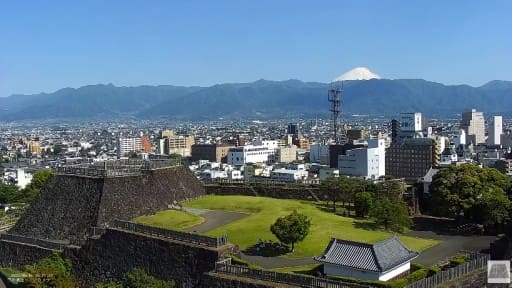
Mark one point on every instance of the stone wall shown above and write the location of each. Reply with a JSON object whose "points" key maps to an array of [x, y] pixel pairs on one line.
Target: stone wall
{"points": [[116, 252], [68, 205], [17, 255], [125, 198], [274, 191]]}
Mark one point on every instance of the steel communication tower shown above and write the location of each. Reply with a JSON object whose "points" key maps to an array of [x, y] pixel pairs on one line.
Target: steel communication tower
{"points": [[334, 96]]}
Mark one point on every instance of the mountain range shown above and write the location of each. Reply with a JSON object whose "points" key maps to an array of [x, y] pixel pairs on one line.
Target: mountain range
{"points": [[259, 99]]}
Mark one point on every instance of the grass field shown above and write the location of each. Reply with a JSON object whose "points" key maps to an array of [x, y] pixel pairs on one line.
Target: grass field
{"points": [[170, 219], [264, 211]]}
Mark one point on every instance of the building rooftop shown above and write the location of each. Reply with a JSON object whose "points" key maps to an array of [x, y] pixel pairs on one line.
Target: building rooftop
{"points": [[379, 257]]}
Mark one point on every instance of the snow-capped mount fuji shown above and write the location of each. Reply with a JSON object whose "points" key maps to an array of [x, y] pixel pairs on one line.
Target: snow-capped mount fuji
{"points": [[358, 73]]}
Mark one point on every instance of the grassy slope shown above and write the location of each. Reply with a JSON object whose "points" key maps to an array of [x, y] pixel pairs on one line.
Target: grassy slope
{"points": [[265, 211], [170, 219]]}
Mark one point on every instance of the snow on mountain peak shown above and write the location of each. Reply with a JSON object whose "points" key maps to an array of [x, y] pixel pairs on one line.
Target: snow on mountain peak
{"points": [[358, 73]]}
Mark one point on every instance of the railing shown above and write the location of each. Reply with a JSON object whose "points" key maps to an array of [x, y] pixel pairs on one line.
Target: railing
{"points": [[172, 234], [256, 181], [117, 168], [34, 241], [286, 278], [95, 231], [477, 261]]}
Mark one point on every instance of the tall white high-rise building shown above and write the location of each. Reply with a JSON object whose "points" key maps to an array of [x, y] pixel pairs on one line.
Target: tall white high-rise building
{"points": [[473, 124], [495, 130]]}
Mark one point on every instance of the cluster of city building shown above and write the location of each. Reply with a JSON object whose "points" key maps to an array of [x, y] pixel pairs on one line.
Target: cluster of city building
{"points": [[408, 147]]}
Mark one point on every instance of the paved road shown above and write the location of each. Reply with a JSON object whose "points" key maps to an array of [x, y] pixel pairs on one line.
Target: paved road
{"points": [[213, 219], [450, 245]]}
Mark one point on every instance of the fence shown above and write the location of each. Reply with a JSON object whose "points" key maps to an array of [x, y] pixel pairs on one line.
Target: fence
{"points": [[477, 261], [172, 234], [286, 278], [95, 231], [258, 181], [117, 168], [34, 241]]}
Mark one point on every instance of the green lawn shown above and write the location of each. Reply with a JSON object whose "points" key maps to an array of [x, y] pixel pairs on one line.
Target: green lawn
{"points": [[170, 219], [264, 211]]}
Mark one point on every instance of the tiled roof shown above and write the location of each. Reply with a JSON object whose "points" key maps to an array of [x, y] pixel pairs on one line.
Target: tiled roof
{"points": [[379, 257]]}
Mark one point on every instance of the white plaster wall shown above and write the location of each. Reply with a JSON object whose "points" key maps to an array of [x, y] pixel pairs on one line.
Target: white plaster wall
{"points": [[395, 272]]}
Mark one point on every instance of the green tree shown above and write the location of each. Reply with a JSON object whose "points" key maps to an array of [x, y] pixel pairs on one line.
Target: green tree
{"points": [[492, 209], [362, 203], [392, 215], [346, 189], [291, 229], [479, 194], [9, 193], [137, 278], [53, 271], [330, 186], [39, 180]]}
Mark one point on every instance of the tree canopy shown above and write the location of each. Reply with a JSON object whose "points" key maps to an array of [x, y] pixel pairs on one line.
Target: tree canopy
{"points": [[292, 228], [393, 215], [363, 203], [53, 271], [474, 193]]}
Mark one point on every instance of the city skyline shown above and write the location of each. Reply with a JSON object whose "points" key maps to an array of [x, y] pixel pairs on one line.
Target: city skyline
{"points": [[54, 45]]}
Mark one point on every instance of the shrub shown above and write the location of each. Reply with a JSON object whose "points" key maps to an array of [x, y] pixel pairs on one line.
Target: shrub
{"points": [[458, 259], [417, 266], [237, 261], [433, 270], [417, 275]]}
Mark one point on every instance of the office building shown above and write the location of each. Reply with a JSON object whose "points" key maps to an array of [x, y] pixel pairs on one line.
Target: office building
{"points": [[380, 144], [126, 145], [412, 158], [336, 150], [411, 125], [241, 155], [473, 124], [210, 152], [495, 130], [355, 134], [179, 144], [361, 162], [287, 154], [293, 129]]}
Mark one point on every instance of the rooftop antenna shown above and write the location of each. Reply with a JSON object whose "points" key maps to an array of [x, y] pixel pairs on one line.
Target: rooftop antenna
{"points": [[334, 97]]}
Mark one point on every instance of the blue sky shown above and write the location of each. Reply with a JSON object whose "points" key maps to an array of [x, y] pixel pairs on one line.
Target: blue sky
{"points": [[48, 45]]}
